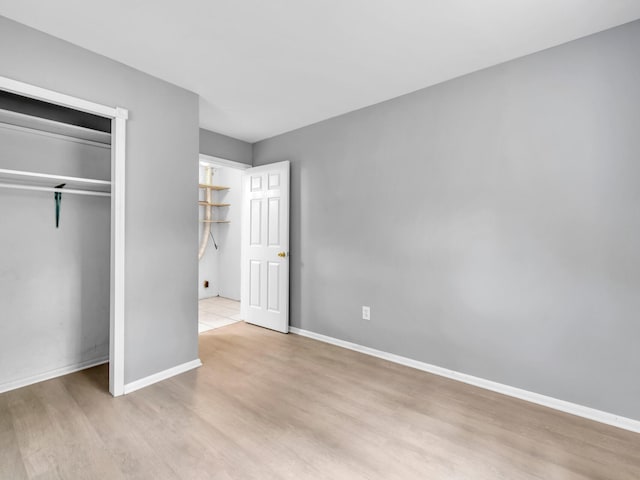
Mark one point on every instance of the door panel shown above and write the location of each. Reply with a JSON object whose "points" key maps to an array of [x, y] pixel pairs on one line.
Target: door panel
{"points": [[265, 249], [254, 285], [274, 222], [273, 287], [256, 221]]}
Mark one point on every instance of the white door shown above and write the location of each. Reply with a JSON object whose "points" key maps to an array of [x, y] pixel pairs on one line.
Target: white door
{"points": [[265, 246]]}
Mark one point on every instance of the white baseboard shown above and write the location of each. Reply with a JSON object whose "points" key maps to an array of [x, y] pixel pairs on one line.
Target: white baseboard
{"points": [[563, 406], [158, 377], [58, 372]]}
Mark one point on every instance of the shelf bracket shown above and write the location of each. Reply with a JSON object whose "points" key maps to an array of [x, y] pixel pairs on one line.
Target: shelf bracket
{"points": [[57, 196]]}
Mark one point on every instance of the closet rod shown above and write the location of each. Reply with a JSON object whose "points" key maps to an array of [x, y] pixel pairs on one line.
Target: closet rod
{"points": [[52, 189], [59, 178]]}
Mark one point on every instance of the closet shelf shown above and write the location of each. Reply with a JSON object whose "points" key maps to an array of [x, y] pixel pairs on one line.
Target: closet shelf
{"points": [[213, 187], [205, 204], [215, 221], [23, 180]]}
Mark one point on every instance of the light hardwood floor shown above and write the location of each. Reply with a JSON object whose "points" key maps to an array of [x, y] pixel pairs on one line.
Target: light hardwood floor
{"points": [[271, 406]]}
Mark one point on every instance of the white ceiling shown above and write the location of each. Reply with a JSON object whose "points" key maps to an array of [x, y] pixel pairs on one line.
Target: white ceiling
{"points": [[264, 67]]}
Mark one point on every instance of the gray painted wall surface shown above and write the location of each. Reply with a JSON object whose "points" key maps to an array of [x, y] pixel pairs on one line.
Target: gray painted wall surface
{"points": [[221, 146], [491, 222], [162, 174], [54, 283]]}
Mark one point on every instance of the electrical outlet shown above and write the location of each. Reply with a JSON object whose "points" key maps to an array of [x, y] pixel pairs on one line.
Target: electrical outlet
{"points": [[366, 313]]}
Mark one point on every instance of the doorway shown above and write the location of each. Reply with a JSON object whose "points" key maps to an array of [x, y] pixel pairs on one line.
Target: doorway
{"points": [[41, 180], [244, 244], [220, 220]]}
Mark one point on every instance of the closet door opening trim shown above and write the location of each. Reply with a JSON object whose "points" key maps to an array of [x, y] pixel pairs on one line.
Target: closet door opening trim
{"points": [[118, 118]]}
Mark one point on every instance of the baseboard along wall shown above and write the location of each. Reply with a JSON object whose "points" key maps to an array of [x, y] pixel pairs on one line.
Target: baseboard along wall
{"points": [[128, 388], [557, 404], [58, 372], [163, 375]]}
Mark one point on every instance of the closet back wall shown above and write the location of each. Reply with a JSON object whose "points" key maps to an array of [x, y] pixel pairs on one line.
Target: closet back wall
{"points": [[54, 283]]}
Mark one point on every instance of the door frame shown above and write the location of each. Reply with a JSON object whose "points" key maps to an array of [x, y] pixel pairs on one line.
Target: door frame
{"points": [[221, 162], [211, 161], [118, 117]]}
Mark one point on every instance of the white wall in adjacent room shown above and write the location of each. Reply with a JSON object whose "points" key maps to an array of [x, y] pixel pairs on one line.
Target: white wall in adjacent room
{"points": [[221, 267]]}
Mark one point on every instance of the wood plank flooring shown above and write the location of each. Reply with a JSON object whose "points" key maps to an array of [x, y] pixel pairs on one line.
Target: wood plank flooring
{"points": [[273, 406]]}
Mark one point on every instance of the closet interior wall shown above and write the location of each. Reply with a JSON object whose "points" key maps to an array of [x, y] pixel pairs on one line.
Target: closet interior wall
{"points": [[54, 282]]}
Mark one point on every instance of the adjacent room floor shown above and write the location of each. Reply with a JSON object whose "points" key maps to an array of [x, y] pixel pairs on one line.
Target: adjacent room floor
{"points": [[216, 312], [272, 406]]}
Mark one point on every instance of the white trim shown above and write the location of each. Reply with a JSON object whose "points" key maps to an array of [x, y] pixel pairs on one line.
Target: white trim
{"points": [[222, 162], [50, 96], [116, 329], [163, 375], [556, 404], [58, 372]]}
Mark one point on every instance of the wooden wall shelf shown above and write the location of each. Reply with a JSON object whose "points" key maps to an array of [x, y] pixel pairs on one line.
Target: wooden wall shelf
{"points": [[205, 204], [213, 187], [208, 201]]}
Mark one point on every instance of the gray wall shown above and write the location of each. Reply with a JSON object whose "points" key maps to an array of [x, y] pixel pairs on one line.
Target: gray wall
{"points": [[221, 146], [161, 188], [491, 222], [54, 283]]}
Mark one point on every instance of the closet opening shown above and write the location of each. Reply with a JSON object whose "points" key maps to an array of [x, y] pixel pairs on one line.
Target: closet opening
{"points": [[220, 220], [62, 244]]}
